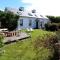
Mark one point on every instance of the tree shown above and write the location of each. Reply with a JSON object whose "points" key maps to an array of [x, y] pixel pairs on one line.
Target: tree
{"points": [[55, 23], [8, 20], [54, 19]]}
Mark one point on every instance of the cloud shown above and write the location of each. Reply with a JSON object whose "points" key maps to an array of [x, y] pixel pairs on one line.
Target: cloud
{"points": [[45, 7]]}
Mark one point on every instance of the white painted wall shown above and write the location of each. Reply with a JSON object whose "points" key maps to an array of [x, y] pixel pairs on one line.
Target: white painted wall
{"points": [[44, 21], [26, 23]]}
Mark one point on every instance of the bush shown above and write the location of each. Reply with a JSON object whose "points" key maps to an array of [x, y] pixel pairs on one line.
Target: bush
{"points": [[45, 42], [52, 26], [54, 19], [48, 39], [1, 44], [1, 41]]}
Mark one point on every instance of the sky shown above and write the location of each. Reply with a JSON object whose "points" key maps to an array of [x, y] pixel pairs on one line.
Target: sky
{"points": [[44, 7]]}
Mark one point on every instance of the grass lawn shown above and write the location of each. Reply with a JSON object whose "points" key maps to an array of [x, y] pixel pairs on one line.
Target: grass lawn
{"points": [[27, 49]]}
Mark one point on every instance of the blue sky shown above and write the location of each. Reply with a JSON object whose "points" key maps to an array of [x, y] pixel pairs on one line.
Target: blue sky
{"points": [[44, 7], [11, 3]]}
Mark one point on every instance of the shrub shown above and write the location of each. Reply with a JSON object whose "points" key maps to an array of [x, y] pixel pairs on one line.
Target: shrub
{"points": [[54, 19], [59, 25], [1, 44], [52, 26], [45, 42], [1, 41]]}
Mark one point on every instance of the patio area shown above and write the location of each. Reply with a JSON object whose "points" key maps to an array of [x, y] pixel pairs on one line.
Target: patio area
{"points": [[22, 35]]}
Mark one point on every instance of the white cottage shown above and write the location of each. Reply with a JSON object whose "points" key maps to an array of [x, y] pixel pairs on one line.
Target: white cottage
{"points": [[29, 19]]}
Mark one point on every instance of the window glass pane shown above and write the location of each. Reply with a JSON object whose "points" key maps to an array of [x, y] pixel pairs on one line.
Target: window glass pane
{"points": [[21, 22]]}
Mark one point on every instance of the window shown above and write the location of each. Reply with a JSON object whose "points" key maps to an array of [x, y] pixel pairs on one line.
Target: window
{"points": [[41, 15], [35, 15], [19, 13], [30, 22], [21, 22], [30, 14], [42, 24]]}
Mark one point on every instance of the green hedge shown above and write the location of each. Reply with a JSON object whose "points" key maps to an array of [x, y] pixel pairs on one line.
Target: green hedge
{"points": [[1, 44], [52, 26], [44, 46], [54, 19], [1, 41]]}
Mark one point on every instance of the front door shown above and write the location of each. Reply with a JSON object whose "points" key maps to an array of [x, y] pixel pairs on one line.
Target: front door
{"points": [[37, 23]]}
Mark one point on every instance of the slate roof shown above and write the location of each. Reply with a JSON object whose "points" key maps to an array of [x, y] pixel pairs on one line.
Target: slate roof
{"points": [[30, 14], [26, 13]]}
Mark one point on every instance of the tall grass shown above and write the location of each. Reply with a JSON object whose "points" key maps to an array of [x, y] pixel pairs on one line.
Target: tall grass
{"points": [[38, 47]]}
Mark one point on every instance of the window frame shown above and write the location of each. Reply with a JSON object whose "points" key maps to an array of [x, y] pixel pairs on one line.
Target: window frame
{"points": [[21, 22], [30, 22]]}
